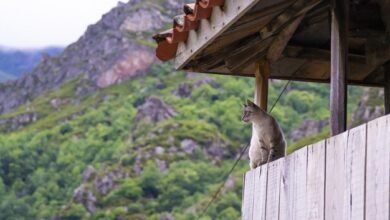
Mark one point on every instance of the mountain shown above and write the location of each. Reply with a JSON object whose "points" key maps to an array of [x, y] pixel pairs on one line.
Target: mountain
{"points": [[116, 48], [17, 62], [5, 76], [104, 131]]}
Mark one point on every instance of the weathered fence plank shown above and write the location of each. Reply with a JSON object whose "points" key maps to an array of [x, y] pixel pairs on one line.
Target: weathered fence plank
{"points": [[260, 193], [346, 177], [286, 184], [293, 192], [355, 156], [335, 176], [377, 169], [273, 186], [247, 204], [315, 190]]}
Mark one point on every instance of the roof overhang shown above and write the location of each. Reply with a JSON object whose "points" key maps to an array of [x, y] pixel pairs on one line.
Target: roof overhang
{"points": [[233, 35]]}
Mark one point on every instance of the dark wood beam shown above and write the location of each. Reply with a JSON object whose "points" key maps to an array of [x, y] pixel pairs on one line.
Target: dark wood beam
{"points": [[262, 75], [387, 87], [277, 46], [339, 65]]}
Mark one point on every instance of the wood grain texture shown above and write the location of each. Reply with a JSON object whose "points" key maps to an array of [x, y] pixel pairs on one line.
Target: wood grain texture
{"points": [[339, 65], [355, 156], [286, 184], [261, 92], [273, 186], [346, 177], [315, 190], [335, 176], [260, 193], [247, 204], [277, 46], [377, 169], [387, 87], [293, 186], [210, 29]]}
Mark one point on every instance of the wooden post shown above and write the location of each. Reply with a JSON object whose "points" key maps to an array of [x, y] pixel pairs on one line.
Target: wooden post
{"points": [[339, 65], [387, 87], [262, 75]]}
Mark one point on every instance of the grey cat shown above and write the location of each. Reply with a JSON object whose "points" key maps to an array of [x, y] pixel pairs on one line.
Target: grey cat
{"points": [[267, 143]]}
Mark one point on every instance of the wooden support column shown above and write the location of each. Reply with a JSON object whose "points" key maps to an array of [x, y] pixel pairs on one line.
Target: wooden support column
{"points": [[262, 75], [387, 87], [339, 65]]}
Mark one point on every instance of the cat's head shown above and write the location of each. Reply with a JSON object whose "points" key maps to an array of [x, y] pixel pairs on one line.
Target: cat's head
{"points": [[249, 111]]}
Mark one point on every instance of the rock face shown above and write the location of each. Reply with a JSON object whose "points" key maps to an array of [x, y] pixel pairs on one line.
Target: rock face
{"points": [[309, 127], [133, 64], [369, 107], [86, 197], [144, 20], [18, 121], [105, 183], [188, 146], [154, 110], [112, 50], [102, 184]]}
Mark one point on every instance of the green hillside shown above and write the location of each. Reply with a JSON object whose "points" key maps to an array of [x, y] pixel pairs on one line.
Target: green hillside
{"points": [[102, 157]]}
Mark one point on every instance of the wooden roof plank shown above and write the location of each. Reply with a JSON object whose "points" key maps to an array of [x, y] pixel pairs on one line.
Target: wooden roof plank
{"points": [[209, 30]]}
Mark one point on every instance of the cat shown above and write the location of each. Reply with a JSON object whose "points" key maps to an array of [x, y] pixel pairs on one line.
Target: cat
{"points": [[267, 143]]}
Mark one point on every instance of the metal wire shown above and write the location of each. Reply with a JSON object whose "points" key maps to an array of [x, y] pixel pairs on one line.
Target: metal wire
{"points": [[239, 158]]}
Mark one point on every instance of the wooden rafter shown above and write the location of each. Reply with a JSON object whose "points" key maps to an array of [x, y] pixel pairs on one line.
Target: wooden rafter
{"points": [[209, 30]]}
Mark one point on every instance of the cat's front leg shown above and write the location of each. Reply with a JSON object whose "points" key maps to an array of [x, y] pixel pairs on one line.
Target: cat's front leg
{"points": [[253, 165], [271, 155]]}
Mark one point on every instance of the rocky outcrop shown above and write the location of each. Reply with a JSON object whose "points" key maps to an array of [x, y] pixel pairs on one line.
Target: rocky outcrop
{"points": [[106, 182], [17, 122], [133, 64], [216, 150], [114, 49], [86, 197], [184, 90], [144, 20], [189, 146], [57, 103], [309, 127], [89, 174], [93, 184], [370, 106], [154, 110]]}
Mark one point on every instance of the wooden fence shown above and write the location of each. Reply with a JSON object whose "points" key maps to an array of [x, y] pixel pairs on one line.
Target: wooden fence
{"points": [[344, 177]]}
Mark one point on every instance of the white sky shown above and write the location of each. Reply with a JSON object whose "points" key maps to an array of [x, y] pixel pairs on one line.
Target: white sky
{"points": [[41, 23]]}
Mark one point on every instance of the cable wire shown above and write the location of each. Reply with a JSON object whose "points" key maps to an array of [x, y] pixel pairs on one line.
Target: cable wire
{"points": [[239, 158]]}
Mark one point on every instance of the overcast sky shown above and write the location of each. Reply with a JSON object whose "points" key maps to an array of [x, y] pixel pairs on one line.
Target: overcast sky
{"points": [[41, 23]]}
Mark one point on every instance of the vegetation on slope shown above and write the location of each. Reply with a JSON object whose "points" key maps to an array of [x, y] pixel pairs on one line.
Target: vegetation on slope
{"points": [[43, 165]]}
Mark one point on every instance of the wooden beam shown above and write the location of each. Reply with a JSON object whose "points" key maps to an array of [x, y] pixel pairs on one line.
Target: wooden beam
{"points": [[339, 65], [387, 87], [262, 75], [277, 46]]}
